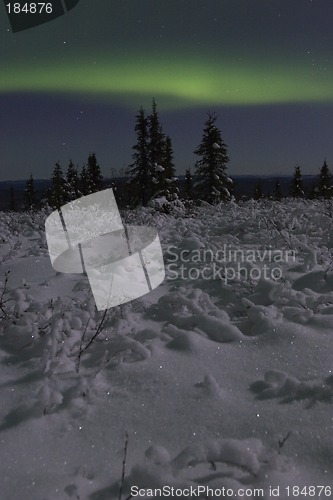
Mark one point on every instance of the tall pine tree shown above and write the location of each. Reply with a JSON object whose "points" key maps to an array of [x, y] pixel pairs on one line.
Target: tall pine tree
{"points": [[58, 193], [258, 193], [165, 173], [297, 187], [152, 174], [325, 182], [171, 179], [84, 181], [211, 178], [157, 150], [29, 198], [72, 183], [94, 175], [139, 172]]}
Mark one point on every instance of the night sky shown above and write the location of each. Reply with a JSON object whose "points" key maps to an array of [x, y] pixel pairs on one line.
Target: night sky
{"points": [[73, 86]]}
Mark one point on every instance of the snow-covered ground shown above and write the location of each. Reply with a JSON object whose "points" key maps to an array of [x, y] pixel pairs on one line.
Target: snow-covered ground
{"points": [[219, 377]]}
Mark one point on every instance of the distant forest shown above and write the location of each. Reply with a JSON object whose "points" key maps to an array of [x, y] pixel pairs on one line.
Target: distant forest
{"points": [[151, 178]]}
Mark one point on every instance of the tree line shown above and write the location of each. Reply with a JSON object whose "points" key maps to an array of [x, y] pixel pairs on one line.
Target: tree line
{"points": [[66, 186], [321, 189], [152, 173]]}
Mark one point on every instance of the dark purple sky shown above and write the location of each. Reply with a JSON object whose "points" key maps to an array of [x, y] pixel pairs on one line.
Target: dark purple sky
{"points": [[74, 85]]}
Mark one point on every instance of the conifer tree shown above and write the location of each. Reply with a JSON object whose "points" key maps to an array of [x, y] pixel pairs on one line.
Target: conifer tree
{"points": [[170, 169], [157, 150], [72, 183], [165, 174], [258, 193], [139, 172], [325, 182], [277, 191], [156, 137], [29, 198], [58, 188], [297, 187], [84, 181], [211, 178], [94, 175], [152, 173]]}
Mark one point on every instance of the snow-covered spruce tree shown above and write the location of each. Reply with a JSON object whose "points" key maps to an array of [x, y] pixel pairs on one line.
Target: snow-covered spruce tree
{"points": [[139, 172], [29, 198], [72, 183], [84, 181], [211, 181], [57, 196], [157, 152], [297, 187], [152, 174], [325, 182], [167, 181], [94, 175]]}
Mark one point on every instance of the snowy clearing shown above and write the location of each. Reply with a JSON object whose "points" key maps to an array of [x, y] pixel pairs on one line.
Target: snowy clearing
{"points": [[221, 377]]}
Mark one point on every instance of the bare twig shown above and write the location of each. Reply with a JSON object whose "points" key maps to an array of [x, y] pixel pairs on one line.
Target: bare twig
{"points": [[275, 227], [2, 300], [81, 349], [123, 468], [98, 331], [283, 440]]}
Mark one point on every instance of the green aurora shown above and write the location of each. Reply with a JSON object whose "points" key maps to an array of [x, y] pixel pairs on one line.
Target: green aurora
{"points": [[176, 81]]}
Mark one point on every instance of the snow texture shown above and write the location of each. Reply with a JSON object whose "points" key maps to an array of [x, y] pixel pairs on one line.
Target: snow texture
{"points": [[223, 381]]}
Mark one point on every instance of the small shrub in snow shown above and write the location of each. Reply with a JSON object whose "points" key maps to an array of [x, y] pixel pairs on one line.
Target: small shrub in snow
{"points": [[164, 206]]}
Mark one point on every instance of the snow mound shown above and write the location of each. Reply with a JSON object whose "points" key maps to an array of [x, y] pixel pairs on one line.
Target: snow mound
{"points": [[193, 310], [278, 384], [236, 464], [210, 386]]}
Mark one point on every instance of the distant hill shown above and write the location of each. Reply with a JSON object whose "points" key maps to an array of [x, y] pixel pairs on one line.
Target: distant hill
{"points": [[245, 184], [244, 187]]}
